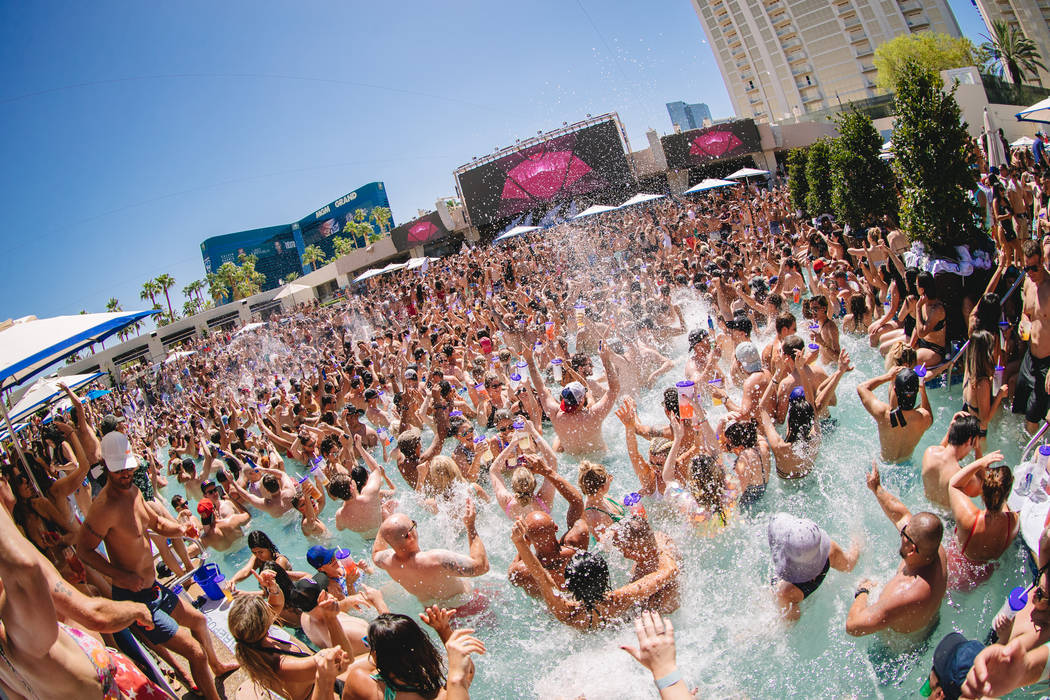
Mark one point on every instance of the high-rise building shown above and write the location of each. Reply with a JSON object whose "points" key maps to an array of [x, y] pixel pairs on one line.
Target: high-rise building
{"points": [[1032, 18], [783, 58], [688, 116]]}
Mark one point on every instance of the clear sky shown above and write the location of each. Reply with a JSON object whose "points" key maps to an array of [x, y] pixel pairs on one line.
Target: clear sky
{"points": [[132, 131]]}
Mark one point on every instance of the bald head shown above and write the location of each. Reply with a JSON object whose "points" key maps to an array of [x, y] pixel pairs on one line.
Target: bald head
{"points": [[397, 531], [540, 527], [926, 530]]}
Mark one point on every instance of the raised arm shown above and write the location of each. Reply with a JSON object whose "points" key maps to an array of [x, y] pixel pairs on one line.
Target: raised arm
{"points": [[606, 403], [892, 506], [28, 614]]}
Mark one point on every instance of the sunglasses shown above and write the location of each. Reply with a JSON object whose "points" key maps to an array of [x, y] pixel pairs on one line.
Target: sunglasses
{"points": [[211, 491], [904, 534], [505, 428], [1031, 268], [409, 530]]}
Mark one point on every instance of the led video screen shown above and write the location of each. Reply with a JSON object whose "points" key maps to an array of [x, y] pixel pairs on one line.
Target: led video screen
{"points": [[419, 231], [552, 171], [330, 221], [699, 146]]}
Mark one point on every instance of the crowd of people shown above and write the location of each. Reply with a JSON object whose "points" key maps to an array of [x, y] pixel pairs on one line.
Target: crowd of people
{"points": [[485, 382]]}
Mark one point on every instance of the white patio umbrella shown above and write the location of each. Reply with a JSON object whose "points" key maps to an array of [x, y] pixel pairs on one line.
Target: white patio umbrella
{"points": [[710, 183], [248, 329], [1039, 112], [745, 173], [640, 198], [368, 275], [46, 390], [178, 355], [514, 232], [594, 209], [996, 154], [1023, 142]]}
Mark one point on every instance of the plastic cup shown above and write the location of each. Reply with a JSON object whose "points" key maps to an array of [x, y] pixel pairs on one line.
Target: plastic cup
{"points": [[814, 351], [717, 401], [556, 368], [549, 328], [686, 391]]}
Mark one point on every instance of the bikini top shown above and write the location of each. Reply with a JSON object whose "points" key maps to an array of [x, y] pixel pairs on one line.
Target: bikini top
{"points": [[938, 327]]}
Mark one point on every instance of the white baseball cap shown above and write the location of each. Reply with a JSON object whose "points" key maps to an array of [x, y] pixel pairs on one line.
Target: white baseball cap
{"points": [[116, 452]]}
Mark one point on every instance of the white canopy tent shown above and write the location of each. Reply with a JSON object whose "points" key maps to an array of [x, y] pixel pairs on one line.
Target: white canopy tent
{"points": [[178, 355], [393, 266], [745, 173], [1023, 142], [294, 294], [1039, 112], [594, 209], [515, 232], [710, 183], [640, 198], [46, 390], [249, 328], [419, 262]]}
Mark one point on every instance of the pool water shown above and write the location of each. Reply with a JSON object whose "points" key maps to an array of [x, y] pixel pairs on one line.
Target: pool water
{"points": [[730, 642]]}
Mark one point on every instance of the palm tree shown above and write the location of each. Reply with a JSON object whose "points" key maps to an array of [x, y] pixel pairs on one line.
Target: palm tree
{"points": [[166, 282], [343, 246], [360, 215], [113, 305], [194, 289], [1010, 53], [382, 217], [190, 307], [217, 286], [150, 289], [314, 256], [291, 277]]}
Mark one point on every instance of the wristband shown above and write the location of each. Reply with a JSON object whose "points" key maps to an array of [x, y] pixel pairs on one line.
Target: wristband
{"points": [[859, 591], [668, 680]]}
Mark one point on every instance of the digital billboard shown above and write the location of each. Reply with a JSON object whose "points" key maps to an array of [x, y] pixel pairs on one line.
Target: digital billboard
{"points": [[274, 247], [716, 142], [555, 170], [365, 205], [425, 229]]}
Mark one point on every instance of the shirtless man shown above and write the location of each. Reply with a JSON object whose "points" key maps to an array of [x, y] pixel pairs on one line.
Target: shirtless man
{"points": [[652, 553], [941, 462], [434, 576], [757, 379], [910, 601], [901, 426], [1031, 396], [553, 552], [119, 517], [827, 333], [785, 325], [577, 425], [276, 492], [362, 494], [220, 532]]}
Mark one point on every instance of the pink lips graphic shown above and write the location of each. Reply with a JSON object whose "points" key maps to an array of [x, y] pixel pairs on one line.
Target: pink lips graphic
{"points": [[543, 176], [421, 232], [714, 144]]}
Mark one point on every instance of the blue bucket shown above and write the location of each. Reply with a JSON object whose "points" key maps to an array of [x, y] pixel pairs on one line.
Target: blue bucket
{"points": [[208, 577]]}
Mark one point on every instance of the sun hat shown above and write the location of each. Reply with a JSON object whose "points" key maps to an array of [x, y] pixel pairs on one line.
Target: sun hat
{"points": [[799, 546]]}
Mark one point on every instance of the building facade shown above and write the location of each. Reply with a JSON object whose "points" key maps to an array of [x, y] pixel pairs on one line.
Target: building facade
{"points": [[781, 59], [686, 116], [1032, 18]]}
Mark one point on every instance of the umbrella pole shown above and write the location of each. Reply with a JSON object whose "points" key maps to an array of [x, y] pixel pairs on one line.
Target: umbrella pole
{"points": [[18, 448]]}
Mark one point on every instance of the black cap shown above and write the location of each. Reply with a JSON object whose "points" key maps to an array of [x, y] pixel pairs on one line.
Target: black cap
{"points": [[952, 660]]}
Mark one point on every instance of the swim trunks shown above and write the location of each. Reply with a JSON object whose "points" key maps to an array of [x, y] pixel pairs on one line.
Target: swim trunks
{"points": [[807, 587], [1030, 396], [160, 601]]}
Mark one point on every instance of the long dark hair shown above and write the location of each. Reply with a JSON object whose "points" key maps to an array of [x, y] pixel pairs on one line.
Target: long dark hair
{"points": [[404, 655], [587, 578], [799, 419], [257, 539]]}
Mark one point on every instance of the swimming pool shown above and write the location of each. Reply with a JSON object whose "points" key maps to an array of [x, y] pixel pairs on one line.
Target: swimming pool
{"points": [[730, 642]]}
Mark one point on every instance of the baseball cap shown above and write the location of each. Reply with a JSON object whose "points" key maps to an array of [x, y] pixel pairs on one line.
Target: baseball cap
{"points": [[572, 396], [818, 265], [116, 452], [748, 357], [206, 507], [697, 336], [319, 555], [307, 591], [906, 383], [799, 546], [109, 423], [952, 660], [411, 374]]}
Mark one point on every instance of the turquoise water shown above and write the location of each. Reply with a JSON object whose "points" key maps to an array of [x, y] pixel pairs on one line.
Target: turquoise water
{"points": [[729, 640]]}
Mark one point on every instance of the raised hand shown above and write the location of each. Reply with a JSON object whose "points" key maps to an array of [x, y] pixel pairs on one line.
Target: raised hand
{"points": [[874, 478], [440, 619], [656, 647]]}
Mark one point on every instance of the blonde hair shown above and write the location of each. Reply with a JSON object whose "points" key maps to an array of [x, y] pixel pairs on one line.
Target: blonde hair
{"points": [[249, 621], [523, 484], [592, 477], [443, 473], [900, 355]]}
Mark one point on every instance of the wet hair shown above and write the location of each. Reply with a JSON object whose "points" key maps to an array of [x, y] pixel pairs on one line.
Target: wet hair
{"points": [[799, 419], [339, 487], [858, 306], [901, 355], [996, 486], [328, 444], [523, 485], [405, 657], [742, 433], [271, 483], [793, 345], [409, 440], [257, 539], [444, 472], [963, 429], [1031, 248], [671, 400], [249, 621], [979, 362], [785, 320], [659, 446], [925, 281], [707, 484], [587, 578], [592, 477], [578, 360]]}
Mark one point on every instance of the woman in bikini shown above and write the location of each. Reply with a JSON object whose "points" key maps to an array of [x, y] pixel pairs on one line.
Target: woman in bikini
{"points": [[978, 399], [600, 511], [930, 337], [981, 536]]}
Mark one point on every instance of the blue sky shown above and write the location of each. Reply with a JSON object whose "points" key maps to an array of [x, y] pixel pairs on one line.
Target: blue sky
{"points": [[133, 131]]}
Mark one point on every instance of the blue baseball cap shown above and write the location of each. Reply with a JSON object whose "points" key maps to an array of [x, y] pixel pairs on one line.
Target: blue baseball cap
{"points": [[319, 555], [952, 660]]}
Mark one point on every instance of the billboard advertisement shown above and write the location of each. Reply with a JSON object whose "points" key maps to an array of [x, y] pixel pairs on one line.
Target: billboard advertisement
{"points": [[716, 142], [425, 229], [555, 170], [366, 205], [274, 247]]}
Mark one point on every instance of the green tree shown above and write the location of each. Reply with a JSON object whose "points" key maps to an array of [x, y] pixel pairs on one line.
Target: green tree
{"points": [[933, 51], [190, 307], [343, 246], [314, 256], [1010, 53], [818, 177], [862, 185], [249, 281], [150, 290], [360, 215], [194, 289], [798, 185], [382, 217], [166, 282], [932, 159], [113, 305], [218, 284], [291, 277]]}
